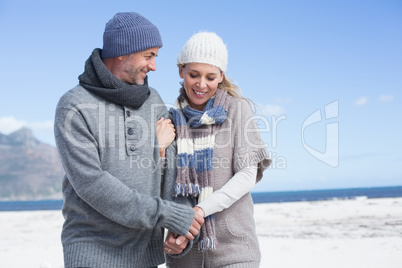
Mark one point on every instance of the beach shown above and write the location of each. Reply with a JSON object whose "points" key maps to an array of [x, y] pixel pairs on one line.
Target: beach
{"points": [[336, 233]]}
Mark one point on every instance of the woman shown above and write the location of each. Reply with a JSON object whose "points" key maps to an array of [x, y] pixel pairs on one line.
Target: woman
{"points": [[220, 158]]}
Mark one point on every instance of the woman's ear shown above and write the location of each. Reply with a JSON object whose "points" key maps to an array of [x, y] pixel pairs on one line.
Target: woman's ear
{"points": [[181, 72], [221, 78]]}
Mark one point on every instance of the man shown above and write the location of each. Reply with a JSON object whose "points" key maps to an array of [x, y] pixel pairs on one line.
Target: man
{"points": [[105, 130]]}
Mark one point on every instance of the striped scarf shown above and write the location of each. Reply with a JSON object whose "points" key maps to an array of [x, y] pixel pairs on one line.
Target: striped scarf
{"points": [[195, 153]]}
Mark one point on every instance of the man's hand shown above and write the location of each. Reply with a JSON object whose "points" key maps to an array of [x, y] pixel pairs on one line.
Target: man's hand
{"points": [[175, 244]]}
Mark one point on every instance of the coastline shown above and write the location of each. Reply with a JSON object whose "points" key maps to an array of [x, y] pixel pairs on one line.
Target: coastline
{"points": [[358, 232]]}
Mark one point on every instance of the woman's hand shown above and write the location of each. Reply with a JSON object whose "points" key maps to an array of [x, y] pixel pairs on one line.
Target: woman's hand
{"points": [[199, 211], [166, 133]]}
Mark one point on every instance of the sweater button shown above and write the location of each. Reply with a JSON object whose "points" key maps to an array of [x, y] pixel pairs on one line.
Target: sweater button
{"points": [[130, 131], [128, 113], [132, 148]]}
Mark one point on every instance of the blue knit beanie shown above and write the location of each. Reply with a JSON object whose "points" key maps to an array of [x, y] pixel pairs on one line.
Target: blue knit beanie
{"points": [[127, 33]]}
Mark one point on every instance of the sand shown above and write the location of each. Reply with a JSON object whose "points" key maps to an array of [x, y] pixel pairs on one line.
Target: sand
{"points": [[338, 233]]}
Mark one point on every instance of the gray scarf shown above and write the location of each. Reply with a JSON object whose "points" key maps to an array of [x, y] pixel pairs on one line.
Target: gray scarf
{"points": [[100, 81]]}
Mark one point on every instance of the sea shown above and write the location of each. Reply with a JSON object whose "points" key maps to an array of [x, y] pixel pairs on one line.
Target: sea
{"points": [[258, 197]]}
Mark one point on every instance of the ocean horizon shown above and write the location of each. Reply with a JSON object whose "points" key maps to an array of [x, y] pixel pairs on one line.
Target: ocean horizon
{"points": [[327, 194], [258, 197]]}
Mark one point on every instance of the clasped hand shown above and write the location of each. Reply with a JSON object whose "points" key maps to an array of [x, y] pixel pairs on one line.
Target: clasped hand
{"points": [[166, 133], [175, 244]]}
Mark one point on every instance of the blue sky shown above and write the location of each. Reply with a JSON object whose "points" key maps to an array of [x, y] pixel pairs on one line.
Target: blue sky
{"points": [[326, 75]]}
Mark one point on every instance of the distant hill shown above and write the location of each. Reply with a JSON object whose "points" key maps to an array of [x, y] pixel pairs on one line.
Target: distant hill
{"points": [[29, 169]]}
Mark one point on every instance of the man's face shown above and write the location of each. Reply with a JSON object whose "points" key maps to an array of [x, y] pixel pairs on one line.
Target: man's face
{"points": [[136, 66]]}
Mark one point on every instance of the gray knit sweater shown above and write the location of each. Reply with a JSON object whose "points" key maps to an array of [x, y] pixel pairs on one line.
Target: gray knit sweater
{"points": [[114, 200]]}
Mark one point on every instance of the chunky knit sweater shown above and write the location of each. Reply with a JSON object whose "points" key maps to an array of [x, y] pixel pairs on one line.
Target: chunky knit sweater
{"points": [[115, 205], [238, 144]]}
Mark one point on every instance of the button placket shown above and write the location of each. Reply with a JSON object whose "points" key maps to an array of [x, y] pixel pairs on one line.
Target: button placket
{"points": [[131, 135]]}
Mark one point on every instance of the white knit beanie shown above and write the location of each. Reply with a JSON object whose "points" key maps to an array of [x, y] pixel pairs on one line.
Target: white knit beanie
{"points": [[204, 47]]}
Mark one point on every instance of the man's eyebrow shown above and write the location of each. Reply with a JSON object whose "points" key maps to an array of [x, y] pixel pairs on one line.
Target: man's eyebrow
{"points": [[153, 54]]}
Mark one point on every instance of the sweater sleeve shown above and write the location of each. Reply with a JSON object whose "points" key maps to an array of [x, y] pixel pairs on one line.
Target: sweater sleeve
{"points": [[79, 154], [249, 148], [240, 184]]}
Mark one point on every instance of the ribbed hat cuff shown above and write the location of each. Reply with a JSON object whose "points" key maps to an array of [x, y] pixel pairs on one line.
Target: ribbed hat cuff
{"points": [[130, 40], [213, 62]]}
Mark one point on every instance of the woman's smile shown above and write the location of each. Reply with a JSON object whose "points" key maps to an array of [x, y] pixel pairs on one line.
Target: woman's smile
{"points": [[199, 93]]}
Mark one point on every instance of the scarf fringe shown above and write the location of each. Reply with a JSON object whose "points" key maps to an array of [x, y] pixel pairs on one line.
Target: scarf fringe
{"points": [[207, 243], [190, 189]]}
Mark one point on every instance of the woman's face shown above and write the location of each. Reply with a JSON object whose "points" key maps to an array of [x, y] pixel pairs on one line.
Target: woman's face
{"points": [[200, 82]]}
